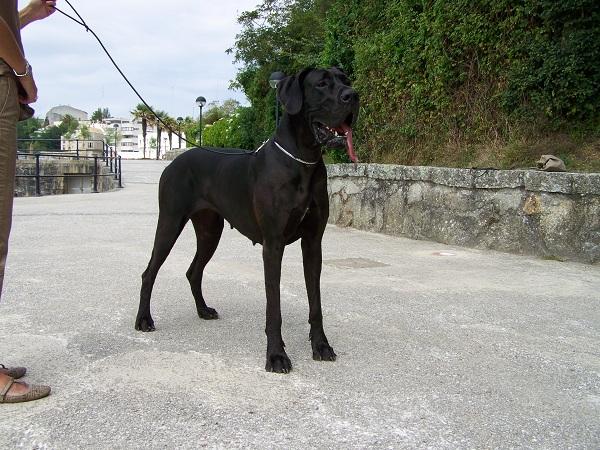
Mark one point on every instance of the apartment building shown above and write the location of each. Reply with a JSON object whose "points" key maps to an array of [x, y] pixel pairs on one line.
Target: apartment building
{"points": [[130, 140]]}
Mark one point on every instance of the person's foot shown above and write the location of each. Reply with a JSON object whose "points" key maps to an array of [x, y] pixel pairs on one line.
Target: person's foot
{"points": [[14, 372], [12, 391]]}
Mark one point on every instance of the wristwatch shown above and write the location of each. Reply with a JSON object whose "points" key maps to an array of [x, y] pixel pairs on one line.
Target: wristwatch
{"points": [[27, 71]]}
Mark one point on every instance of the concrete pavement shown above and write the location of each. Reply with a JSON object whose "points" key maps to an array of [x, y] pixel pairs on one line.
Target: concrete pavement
{"points": [[438, 347]]}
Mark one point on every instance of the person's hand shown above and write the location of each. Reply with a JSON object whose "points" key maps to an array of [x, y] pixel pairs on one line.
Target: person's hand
{"points": [[29, 92], [40, 9], [36, 10]]}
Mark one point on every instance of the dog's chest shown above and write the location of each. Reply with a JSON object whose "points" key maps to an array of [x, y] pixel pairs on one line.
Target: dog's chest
{"points": [[295, 218], [299, 211], [302, 198]]}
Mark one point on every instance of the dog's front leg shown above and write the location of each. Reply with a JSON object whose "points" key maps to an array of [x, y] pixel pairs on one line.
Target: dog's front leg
{"points": [[277, 359], [313, 259]]}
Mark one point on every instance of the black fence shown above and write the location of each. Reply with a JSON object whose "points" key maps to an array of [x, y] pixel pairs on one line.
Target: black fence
{"points": [[101, 154]]}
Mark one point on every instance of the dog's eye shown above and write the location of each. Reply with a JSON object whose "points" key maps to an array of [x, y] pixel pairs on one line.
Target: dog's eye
{"points": [[323, 84]]}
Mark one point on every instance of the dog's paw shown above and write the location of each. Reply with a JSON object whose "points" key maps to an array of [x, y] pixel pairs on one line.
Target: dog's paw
{"points": [[323, 352], [208, 313], [278, 363], [144, 324]]}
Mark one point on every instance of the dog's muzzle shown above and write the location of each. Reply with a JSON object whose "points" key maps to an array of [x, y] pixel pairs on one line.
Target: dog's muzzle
{"points": [[339, 133]]}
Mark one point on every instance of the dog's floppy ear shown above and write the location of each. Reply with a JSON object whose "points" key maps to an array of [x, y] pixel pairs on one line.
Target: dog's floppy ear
{"points": [[341, 73], [290, 92], [338, 70]]}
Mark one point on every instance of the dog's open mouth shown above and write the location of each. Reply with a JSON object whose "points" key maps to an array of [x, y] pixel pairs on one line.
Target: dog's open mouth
{"points": [[336, 136]]}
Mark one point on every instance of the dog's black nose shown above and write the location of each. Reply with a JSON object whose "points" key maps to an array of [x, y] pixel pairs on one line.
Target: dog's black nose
{"points": [[347, 95]]}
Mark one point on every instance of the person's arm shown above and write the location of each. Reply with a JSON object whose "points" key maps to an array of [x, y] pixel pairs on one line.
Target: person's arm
{"points": [[36, 10], [11, 53]]}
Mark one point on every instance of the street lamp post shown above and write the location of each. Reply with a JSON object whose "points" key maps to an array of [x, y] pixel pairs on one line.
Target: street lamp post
{"points": [[117, 158], [179, 120], [274, 80], [116, 127], [200, 101]]}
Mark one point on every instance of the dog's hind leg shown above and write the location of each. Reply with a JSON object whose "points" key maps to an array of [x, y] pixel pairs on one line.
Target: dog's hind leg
{"points": [[167, 232], [208, 226]]}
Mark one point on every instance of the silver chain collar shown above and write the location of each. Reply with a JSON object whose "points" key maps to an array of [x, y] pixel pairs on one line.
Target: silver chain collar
{"points": [[308, 163]]}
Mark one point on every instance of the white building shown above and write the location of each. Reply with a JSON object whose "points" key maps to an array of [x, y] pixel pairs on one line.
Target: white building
{"points": [[127, 136], [88, 143], [130, 140]]}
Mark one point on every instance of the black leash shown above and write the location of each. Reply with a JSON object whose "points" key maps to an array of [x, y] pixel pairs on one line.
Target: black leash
{"points": [[167, 127]]}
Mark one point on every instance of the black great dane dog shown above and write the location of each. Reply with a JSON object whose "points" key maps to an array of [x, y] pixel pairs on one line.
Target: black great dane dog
{"points": [[273, 196]]}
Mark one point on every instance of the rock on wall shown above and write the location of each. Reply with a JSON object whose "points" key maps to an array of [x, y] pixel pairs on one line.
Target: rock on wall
{"points": [[554, 215]]}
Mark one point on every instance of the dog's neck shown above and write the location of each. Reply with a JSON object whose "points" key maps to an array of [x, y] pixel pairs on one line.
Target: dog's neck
{"points": [[295, 135]]}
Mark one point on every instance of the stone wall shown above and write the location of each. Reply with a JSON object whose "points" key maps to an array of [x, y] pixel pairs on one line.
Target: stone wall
{"points": [[552, 215], [59, 184], [170, 155]]}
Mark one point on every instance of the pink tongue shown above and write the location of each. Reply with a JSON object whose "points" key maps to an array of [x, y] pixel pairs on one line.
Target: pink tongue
{"points": [[349, 144]]}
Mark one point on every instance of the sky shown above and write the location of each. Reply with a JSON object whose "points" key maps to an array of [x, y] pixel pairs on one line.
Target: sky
{"points": [[172, 52]]}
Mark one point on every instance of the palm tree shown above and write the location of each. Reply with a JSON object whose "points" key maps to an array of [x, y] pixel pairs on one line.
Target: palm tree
{"points": [[143, 114], [172, 125], [159, 127]]}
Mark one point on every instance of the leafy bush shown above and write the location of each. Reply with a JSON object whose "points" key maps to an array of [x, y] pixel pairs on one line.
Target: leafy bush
{"points": [[232, 131], [456, 83], [215, 134]]}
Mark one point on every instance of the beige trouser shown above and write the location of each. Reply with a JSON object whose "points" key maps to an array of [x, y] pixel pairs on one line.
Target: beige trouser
{"points": [[9, 114]]}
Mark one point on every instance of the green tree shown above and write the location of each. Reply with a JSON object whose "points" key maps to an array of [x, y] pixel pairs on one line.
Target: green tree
{"points": [[453, 83], [159, 128], [144, 115], [216, 134], [84, 132], [27, 128], [277, 35], [242, 131], [68, 126], [113, 136], [100, 114], [218, 110], [191, 128], [47, 138], [152, 143], [172, 127], [232, 131]]}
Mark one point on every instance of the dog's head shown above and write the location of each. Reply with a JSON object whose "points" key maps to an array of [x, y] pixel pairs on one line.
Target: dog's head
{"points": [[327, 102]]}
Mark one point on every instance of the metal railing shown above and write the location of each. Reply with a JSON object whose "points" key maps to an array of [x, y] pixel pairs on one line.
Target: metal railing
{"points": [[108, 157]]}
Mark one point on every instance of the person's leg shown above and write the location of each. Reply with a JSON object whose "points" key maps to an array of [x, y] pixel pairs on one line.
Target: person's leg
{"points": [[10, 391], [9, 114], [14, 372]]}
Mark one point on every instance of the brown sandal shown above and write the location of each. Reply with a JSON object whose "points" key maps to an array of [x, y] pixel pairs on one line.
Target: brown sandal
{"points": [[35, 392], [13, 372]]}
